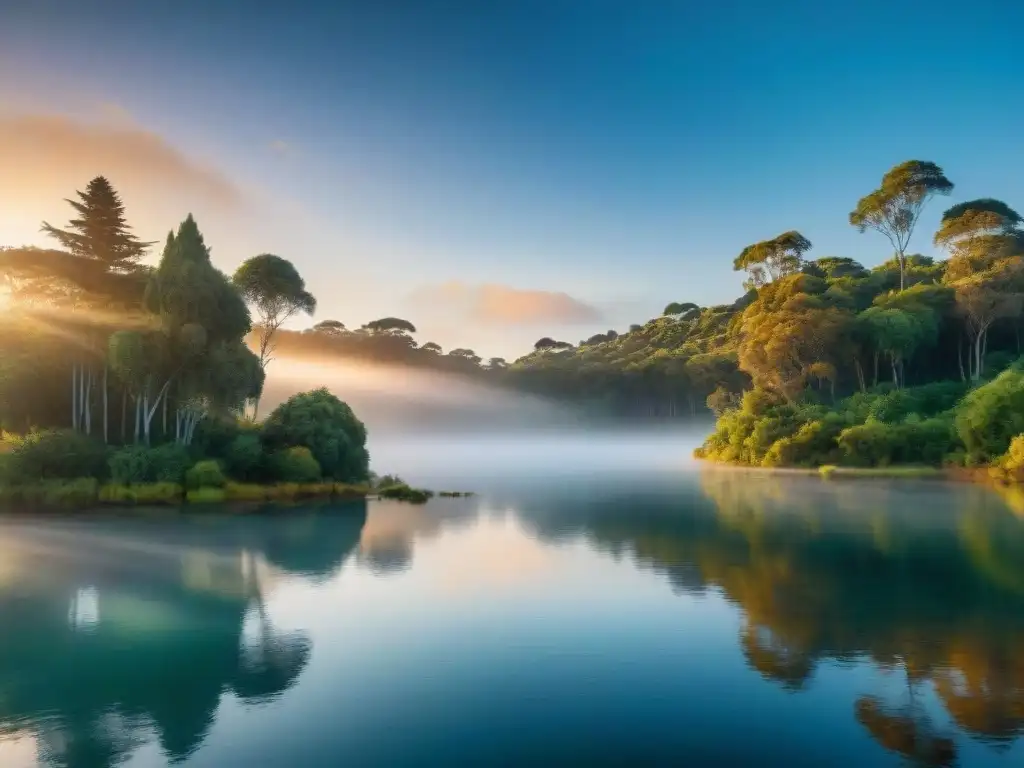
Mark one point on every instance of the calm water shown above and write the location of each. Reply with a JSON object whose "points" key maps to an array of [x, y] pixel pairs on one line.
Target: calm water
{"points": [[653, 618]]}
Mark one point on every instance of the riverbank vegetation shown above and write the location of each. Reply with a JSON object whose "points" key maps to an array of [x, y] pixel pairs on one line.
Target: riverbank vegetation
{"points": [[126, 383], [914, 362]]}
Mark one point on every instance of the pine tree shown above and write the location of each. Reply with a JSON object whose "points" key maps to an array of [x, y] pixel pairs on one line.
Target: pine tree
{"points": [[101, 232]]}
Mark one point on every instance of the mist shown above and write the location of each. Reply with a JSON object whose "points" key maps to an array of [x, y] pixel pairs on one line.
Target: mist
{"points": [[448, 432]]}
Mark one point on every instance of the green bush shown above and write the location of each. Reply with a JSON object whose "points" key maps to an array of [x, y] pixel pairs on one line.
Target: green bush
{"points": [[215, 434], [141, 493], [57, 455], [168, 463], [295, 465], [244, 457], [245, 492], [325, 425], [871, 444], [158, 493], [205, 474], [129, 465], [989, 417], [205, 496], [812, 445], [81, 492], [405, 493]]}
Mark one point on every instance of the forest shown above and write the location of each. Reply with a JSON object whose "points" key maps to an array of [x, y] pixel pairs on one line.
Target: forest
{"points": [[822, 361], [122, 382]]}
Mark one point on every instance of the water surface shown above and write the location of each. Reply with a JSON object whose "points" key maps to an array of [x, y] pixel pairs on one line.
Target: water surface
{"points": [[612, 615]]}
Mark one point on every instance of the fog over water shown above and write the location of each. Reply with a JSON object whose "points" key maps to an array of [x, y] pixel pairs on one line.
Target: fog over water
{"points": [[447, 431]]}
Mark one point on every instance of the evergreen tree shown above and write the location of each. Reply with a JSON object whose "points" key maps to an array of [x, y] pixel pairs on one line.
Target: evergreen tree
{"points": [[100, 232]]}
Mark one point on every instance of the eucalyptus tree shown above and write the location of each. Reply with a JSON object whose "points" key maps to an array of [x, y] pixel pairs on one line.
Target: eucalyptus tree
{"points": [[894, 208], [274, 288], [772, 259], [986, 246]]}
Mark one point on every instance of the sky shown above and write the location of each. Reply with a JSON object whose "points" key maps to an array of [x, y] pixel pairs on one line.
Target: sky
{"points": [[500, 171]]}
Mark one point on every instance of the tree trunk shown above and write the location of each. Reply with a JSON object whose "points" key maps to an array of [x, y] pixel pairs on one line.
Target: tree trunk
{"points": [[74, 396], [138, 419], [895, 375], [903, 269], [164, 433], [960, 356], [88, 402], [106, 407], [875, 384], [860, 374]]}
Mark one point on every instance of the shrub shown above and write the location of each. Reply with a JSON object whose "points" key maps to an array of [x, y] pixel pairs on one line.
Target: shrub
{"points": [[244, 456], [990, 416], [325, 425], [405, 493], [349, 491], [215, 434], [245, 492], [813, 444], [1010, 466], [116, 493], [158, 493], [296, 465], [205, 496], [59, 455], [81, 492], [871, 444], [168, 464], [129, 465], [205, 474]]}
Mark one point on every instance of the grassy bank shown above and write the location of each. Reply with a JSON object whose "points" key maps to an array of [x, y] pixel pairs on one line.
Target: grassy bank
{"points": [[85, 493]]}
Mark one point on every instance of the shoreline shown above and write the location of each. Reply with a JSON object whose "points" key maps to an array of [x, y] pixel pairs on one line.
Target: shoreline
{"points": [[897, 472]]}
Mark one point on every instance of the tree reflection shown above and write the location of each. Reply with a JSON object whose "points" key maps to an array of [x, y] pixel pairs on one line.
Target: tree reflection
{"points": [[180, 619], [921, 577]]}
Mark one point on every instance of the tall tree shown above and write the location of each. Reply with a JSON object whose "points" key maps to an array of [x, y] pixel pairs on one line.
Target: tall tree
{"points": [[274, 288], [100, 232], [329, 328], [771, 259], [100, 247], [393, 325], [894, 208]]}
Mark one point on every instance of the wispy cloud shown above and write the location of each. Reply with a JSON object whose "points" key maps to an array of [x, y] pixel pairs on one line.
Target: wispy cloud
{"points": [[47, 156], [503, 305]]}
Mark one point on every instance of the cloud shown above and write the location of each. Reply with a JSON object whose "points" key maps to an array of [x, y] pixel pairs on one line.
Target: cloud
{"points": [[503, 305], [46, 157]]}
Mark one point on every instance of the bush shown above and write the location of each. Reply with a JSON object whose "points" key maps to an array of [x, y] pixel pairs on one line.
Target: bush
{"points": [[158, 493], [205, 496], [295, 465], [405, 493], [81, 492], [244, 456], [812, 445], [205, 474], [991, 416], [141, 493], [215, 434], [325, 425], [168, 463], [1010, 466], [57, 455], [245, 492], [129, 465]]}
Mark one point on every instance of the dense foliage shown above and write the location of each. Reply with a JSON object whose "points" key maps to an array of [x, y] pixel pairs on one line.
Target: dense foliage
{"points": [[120, 373]]}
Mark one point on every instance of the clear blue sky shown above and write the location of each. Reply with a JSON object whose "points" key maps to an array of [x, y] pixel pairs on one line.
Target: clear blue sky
{"points": [[619, 152]]}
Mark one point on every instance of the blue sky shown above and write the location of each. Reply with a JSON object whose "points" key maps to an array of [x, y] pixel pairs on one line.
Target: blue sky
{"points": [[618, 153]]}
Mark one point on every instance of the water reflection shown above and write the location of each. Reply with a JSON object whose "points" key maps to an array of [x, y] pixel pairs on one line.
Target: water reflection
{"points": [[924, 579], [847, 623], [115, 630]]}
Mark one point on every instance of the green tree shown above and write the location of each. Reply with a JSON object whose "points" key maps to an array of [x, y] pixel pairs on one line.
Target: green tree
{"points": [[393, 325], [894, 208], [771, 259], [325, 425], [274, 288]]}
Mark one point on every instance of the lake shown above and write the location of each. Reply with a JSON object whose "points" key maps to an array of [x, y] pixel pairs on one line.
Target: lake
{"points": [[628, 608]]}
